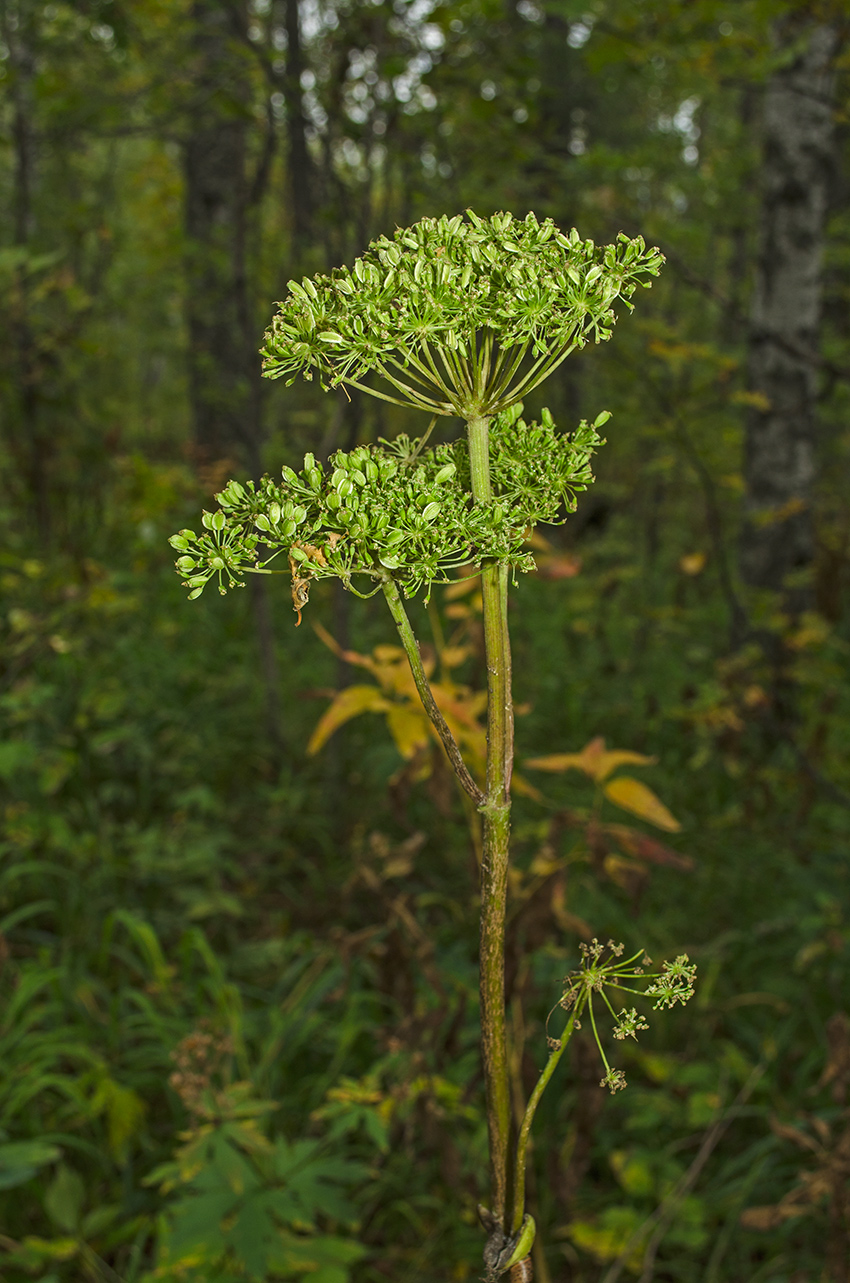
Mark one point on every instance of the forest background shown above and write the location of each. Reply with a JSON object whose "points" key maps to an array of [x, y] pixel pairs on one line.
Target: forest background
{"points": [[239, 1010]]}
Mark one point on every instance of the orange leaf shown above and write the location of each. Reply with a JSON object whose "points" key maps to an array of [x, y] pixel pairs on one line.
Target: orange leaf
{"points": [[350, 702], [593, 760], [350, 656], [557, 762], [633, 796]]}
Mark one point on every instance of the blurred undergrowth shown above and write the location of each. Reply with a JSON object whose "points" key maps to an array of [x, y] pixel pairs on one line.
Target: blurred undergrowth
{"points": [[315, 968], [177, 897]]}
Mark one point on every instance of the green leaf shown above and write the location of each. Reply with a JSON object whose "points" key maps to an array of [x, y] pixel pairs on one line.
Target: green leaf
{"points": [[64, 1199], [316, 1179], [323, 1259], [254, 1233], [608, 1235], [231, 1167], [196, 1221], [20, 1160]]}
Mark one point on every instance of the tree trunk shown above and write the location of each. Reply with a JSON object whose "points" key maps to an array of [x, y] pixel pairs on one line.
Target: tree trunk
{"points": [[224, 366], [30, 445], [777, 544], [224, 374], [300, 168]]}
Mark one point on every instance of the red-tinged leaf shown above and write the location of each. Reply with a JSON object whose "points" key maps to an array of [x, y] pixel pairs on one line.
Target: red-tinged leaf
{"points": [[350, 702], [641, 845], [534, 539], [350, 656], [634, 796], [631, 875], [566, 920], [560, 565]]}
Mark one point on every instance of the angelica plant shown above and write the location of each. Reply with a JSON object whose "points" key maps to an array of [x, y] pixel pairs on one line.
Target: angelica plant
{"points": [[600, 971], [457, 317]]}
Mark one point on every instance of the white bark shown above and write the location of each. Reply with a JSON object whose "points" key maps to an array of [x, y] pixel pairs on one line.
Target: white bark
{"points": [[779, 467]]}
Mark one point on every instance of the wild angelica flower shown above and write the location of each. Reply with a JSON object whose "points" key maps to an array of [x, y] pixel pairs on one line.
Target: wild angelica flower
{"points": [[456, 316], [396, 507], [614, 1080], [601, 971], [675, 984], [628, 1024]]}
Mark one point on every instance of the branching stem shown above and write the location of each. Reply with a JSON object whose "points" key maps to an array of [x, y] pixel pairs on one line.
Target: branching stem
{"points": [[411, 649]]}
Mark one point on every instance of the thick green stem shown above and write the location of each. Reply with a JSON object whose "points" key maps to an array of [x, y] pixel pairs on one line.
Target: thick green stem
{"points": [[478, 430], [525, 1128], [496, 811], [440, 724]]}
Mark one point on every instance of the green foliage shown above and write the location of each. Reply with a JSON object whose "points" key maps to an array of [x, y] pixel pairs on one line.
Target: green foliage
{"points": [[398, 507], [243, 1207], [20, 1161], [447, 310], [135, 770]]}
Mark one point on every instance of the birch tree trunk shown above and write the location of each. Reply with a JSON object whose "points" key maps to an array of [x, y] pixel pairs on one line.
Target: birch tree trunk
{"points": [[777, 544]]}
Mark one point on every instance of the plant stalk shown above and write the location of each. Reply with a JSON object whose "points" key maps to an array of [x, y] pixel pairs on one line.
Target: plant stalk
{"points": [[496, 811], [411, 649], [530, 1110]]}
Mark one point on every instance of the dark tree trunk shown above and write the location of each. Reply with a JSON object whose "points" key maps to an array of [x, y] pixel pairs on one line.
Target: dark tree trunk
{"points": [[777, 544], [223, 362], [224, 365], [300, 165], [28, 441]]}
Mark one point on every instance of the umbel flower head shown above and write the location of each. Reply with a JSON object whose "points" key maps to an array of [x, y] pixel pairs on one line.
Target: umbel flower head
{"points": [[393, 508], [456, 316], [674, 983]]}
